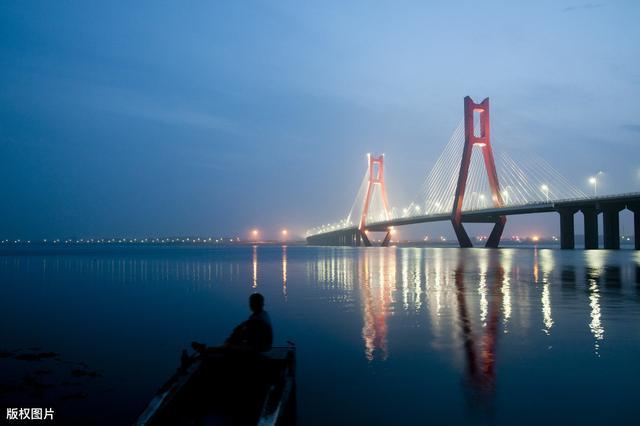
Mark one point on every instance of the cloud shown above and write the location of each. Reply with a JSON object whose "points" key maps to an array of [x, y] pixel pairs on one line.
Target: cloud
{"points": [[173, 115], [584, 6], [632, 127], [136, 105]]}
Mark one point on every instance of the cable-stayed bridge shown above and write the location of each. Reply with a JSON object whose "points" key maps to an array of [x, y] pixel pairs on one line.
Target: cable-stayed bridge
{"points": [[472, 182]]}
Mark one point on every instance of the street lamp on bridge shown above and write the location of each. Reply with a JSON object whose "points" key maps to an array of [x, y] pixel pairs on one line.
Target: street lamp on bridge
{"points": [[593, 180], [545, 190], [505, 196]]}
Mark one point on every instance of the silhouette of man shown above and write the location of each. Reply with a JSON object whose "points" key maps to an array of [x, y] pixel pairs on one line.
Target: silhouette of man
{"points": [[256, 332]]}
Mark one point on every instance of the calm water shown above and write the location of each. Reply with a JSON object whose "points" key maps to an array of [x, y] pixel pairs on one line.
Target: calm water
{"points": [[384, 336]]}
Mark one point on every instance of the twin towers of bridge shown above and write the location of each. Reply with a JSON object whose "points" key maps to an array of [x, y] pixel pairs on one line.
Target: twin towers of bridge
{"points": [[479, 138]]}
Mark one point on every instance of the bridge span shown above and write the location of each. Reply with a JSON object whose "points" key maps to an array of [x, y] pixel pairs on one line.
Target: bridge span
{"points": [[452, 206], [609, 206]]}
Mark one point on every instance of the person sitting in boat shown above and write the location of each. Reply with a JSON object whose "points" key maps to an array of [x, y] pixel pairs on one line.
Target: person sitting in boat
{"points": [[256, 332]]}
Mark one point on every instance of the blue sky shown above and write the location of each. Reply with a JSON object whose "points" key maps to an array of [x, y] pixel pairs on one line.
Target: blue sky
{"points": [[174, 118]]}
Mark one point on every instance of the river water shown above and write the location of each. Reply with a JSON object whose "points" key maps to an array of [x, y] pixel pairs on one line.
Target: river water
{"points": [[384, 335]]}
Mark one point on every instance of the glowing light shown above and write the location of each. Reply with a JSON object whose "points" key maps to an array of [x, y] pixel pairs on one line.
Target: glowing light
{"points": [[593, 180], [545, 189], [535, 238], [285, 232], [505, 195]]}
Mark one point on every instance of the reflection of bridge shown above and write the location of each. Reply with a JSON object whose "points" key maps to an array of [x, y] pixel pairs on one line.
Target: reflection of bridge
{"points": [[461, 198], [473, 307]]}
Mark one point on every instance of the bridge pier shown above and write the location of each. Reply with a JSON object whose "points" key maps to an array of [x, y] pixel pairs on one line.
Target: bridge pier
{"points": [[496, 233], [364, 239], [342, 237], [353, 237], [635, 208], [387, 239], [590, 227], [463, 238], [611, 225], [567, 234]]}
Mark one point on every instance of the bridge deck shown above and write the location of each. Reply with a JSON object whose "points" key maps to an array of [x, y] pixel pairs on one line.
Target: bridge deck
{"points": [[489, 215]]}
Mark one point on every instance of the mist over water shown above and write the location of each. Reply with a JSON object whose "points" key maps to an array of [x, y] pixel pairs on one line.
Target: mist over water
{"points": [[384, 335]]}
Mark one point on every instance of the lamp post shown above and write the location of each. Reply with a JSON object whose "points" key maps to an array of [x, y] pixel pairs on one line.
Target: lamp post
{"points": [[545, 190], [505, 196], [593, 180]]}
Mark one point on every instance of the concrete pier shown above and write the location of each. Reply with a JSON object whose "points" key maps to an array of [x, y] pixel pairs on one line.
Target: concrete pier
{"points": [[590, 227], [341, 237], [635, 208], [567, 235], [611, 225], [345, 237]]}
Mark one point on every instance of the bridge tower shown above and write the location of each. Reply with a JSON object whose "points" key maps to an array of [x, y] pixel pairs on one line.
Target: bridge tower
{"points": [[375, 179], [477, 138]]}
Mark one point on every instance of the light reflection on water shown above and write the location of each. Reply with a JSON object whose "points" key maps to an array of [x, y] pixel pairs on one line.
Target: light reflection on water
{"points": [[284, 272], [475, 289], [474, 332], [377, 277]]}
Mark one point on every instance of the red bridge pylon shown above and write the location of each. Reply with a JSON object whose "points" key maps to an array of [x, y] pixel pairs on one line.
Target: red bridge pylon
{"points": [[483, 141], [376, 179]]}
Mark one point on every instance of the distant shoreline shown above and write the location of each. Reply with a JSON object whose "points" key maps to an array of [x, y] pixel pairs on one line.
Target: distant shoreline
{"points": [[24, 247]]}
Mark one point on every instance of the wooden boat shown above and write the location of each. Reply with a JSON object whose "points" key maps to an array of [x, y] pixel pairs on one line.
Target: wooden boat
{"points": [[221, 386]]}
